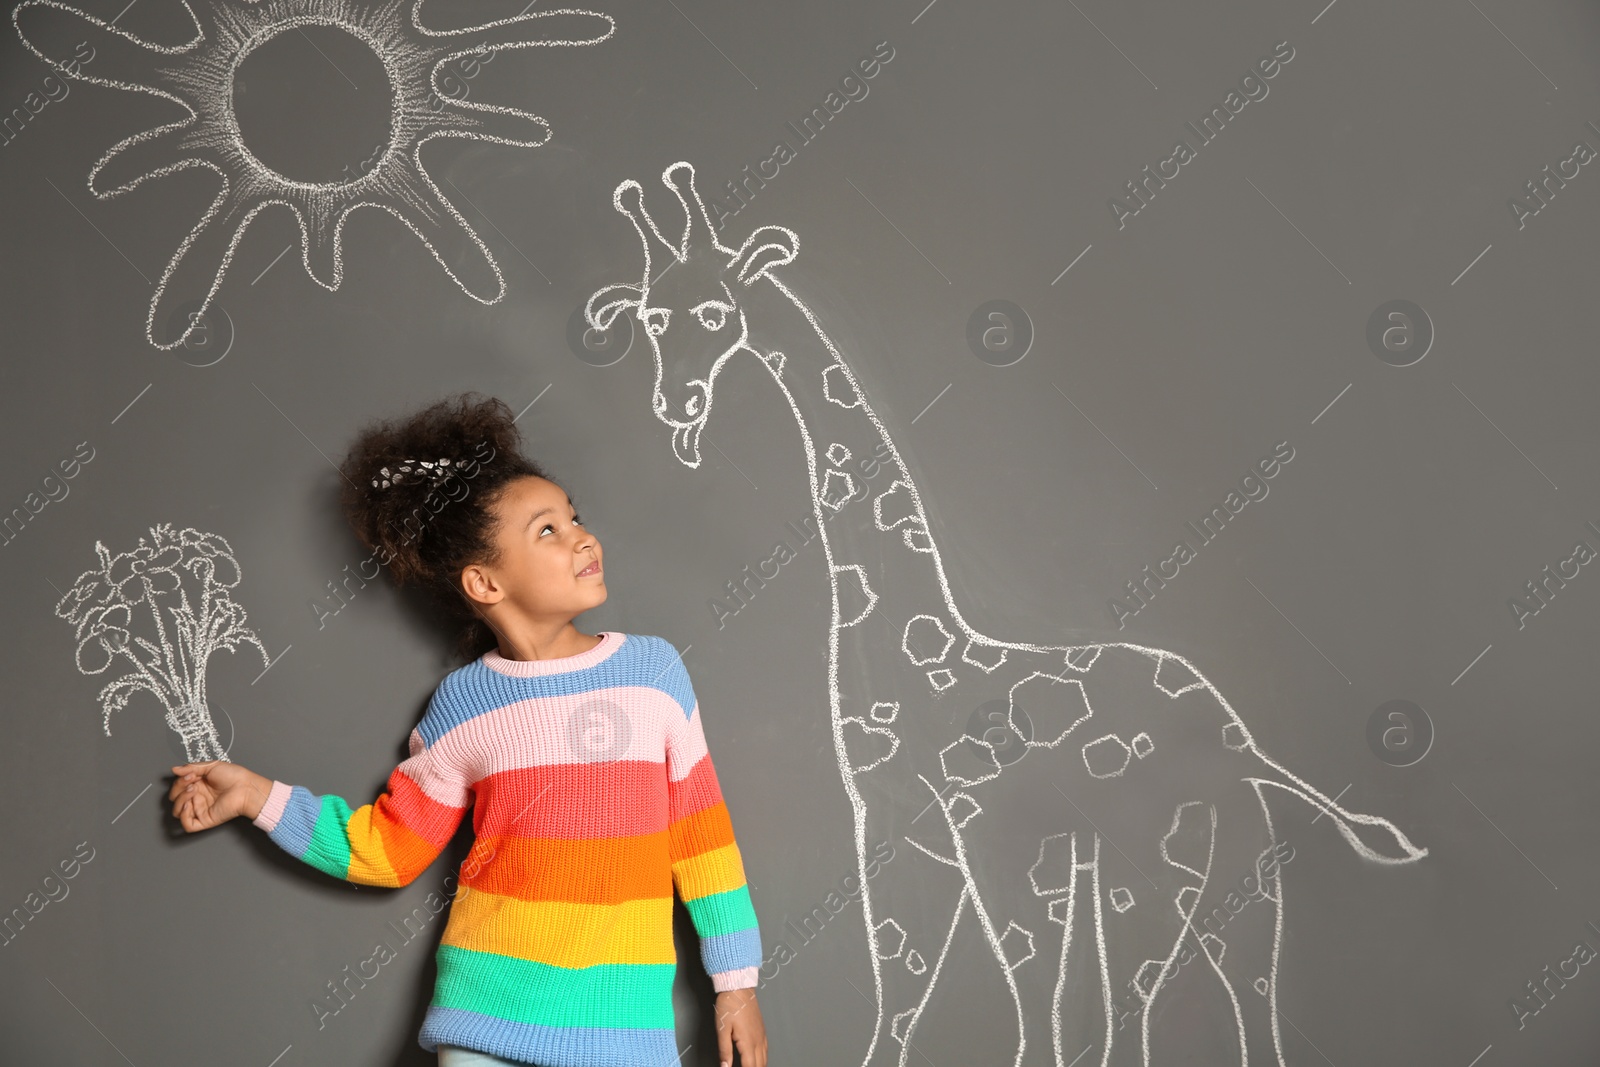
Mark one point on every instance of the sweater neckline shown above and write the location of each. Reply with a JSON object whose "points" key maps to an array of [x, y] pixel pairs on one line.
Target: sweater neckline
{"points": [[610, 641]]}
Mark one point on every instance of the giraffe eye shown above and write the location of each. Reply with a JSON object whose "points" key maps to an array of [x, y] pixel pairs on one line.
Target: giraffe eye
{"points": [[654, 327], [713, 318]]}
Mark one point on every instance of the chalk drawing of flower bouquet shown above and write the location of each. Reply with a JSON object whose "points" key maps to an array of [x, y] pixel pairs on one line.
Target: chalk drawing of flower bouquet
{"points": [[158, 575]]}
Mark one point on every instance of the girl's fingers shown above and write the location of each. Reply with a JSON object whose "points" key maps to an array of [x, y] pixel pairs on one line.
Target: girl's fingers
{"points": [[197, 768], [189, 814]]}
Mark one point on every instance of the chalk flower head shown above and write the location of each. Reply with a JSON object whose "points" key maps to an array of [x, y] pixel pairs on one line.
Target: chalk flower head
{"points": [[145, 592]]}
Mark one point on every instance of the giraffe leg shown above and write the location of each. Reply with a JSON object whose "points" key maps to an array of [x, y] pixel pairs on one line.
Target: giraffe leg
{"points": [[1084, 999], [1018, 930], [1154, 911], [1242, 937], [1083, 1012], [911, 905]]}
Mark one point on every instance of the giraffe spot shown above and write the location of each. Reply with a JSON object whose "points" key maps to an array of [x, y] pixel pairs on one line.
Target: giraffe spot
{"points": [[1234, 737], [925, 640], [839, 387], [986, 656], [856, 598], [962, 808], [838, 489], [838, 454], [1060, 910], [1148, 977], [894, 506], [890, 933], [915, 963], [1261, 986], [1083, 657], [917, 539], [901, 1026], [1214, 946], [1174, 676], [1016, 946], [1121, 899], [1051, 873], [867, 746], [1187, 843], [1187, 898], [969, 761], [885, 711], [1054, 705], [1106, 757], [941, 679], [1142, 745]]}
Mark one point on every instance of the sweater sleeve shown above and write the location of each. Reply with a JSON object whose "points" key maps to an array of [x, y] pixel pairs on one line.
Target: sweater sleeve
{"points": [[388, 842], [706, 866]]}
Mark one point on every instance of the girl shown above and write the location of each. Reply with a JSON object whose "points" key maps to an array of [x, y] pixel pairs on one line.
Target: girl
{"points": [[582, 756]]}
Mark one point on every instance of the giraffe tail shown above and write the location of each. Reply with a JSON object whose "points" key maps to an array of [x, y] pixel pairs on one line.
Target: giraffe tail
{"points": [[1374, 838]]}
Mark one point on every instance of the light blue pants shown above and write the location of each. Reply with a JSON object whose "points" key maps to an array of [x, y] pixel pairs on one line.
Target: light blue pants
{"points": [[455, 1056]]}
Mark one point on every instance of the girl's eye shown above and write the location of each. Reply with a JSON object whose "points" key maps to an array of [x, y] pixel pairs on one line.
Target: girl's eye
{"points": [[549, 526]]}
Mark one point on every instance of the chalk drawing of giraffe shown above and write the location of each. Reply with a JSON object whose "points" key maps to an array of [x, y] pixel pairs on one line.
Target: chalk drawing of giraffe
{"points": [[1056, 848]]}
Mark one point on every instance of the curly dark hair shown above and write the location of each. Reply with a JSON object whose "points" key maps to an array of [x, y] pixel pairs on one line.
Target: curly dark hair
{"points": [[427, 528]]}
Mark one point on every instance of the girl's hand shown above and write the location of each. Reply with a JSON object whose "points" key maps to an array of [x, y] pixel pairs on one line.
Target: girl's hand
{"points": [[739, 1023], [209, 794]]}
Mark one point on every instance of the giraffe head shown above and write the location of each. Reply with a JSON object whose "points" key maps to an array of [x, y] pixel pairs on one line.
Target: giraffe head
{"points": [[692, 310]]}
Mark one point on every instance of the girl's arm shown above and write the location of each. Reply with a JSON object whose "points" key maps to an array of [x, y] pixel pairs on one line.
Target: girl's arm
{"points": [[706, 865], [386, 843]]}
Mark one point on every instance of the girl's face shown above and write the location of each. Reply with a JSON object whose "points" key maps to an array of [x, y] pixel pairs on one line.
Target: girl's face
{"points": [[550, 566]]}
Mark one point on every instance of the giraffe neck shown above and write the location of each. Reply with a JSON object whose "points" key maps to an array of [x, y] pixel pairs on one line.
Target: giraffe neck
{"points": [[865, 505]]}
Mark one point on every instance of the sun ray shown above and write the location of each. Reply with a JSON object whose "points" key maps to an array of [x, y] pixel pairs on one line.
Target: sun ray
{"points": [[50, 28], [149, 154], [503, 125], [198, 75]]}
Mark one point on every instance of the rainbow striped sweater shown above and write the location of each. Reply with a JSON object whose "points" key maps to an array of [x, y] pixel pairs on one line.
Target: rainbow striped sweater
{"points": [[593, 795]]}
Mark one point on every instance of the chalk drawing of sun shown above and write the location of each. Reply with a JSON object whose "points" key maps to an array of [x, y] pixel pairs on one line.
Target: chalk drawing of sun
{"points": [[199, 76]]}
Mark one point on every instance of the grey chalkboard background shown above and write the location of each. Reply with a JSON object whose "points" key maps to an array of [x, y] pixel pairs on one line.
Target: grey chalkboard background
{"points": [[1442, 473]]}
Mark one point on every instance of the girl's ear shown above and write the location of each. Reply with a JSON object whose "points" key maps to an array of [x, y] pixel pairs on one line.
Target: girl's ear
{"points": [[476, 585]]}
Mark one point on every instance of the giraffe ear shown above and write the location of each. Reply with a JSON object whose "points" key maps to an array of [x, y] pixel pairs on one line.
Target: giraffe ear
{"points": [[606, 304], [765, 248]]}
